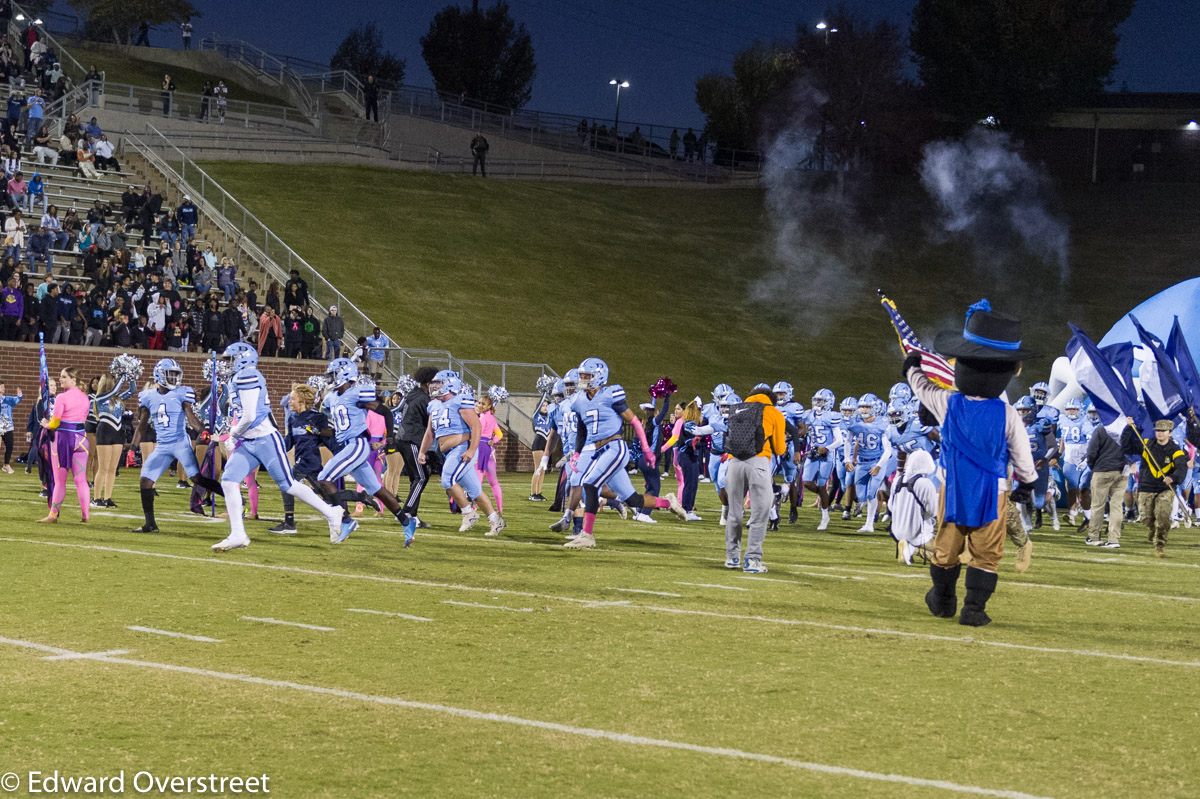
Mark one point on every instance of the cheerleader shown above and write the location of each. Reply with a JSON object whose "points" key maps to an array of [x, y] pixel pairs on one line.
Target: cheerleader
{"points": [[109, 410], [395, 461], [7, 403], [69, 447], [89, 428], [489, 436]]}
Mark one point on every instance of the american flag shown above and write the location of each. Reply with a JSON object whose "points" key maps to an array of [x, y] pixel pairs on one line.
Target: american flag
{"points": [[936, 368]]}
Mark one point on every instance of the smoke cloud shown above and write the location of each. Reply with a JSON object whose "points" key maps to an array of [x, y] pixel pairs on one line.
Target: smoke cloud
{"points": [[985, 190]]}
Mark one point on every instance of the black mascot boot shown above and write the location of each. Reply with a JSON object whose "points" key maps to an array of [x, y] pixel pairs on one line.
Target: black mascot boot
{"points": [[941, 599], [980, 585]]}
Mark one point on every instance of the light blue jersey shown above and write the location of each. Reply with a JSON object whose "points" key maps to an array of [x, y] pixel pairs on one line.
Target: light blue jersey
{"points": [[601, 415], [1049, 413], [713, 417], [866, 441], [792, 412], [1073, 436], [167, 414], [245, 381], [348, 418], [822, 428], [910, 437], [446, 415]]}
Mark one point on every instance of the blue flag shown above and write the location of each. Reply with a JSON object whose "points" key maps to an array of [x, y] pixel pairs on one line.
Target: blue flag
{"points": [[1177, 349], [1163, 388], [1106, 376]]}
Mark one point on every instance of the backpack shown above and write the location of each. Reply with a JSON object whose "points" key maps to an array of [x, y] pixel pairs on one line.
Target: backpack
{"points": [[744, 435]]}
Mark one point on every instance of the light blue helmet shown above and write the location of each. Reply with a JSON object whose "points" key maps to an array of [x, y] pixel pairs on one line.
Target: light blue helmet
{"points": [[867, 400], [598, 370], [1075, 405], [570, 382], [1040, 393], [1093, 414], [823, 400], [242, 356], [720, 391], [879, 407], [896, 412], [727, 401], [559, 390], [848, 407], [785, 388], [168, 374], [1026, 407], [340, 372], [445, 382], [900, 391]]}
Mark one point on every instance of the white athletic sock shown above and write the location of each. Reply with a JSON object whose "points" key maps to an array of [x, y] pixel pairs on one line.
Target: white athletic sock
{"points": [[304, 493], [774, 514], [872, 506], [493, 516], [233, 506], [824, 514], [1087, 514]]}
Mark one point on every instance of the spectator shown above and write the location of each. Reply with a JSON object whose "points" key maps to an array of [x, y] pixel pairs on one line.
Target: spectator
{"points": [[311, 331], [293, 335], [42, 290], [751, 473], [206, 98], [104, 154], [64, 314], [689, 145], [226, 276], [189, 217], [252, 297], [37, 113], [12, 308], [103, 242], [41, 147], [131, 201], [39, 249], [140, 333], [31, 316], [185, 32], [168, 91], [202, 279], [36, 189], [359, 355], [145, 219], [479, 149], [270, 333], [48, 312], [232, 324], [66, 151], [85, 159], [93, 78], [18, 190], [214, 327], [301, 287], [14, 235], [97, 320], [119, 332], [16, 103], [293, 300], [121, 245], [674, 144], [11, 157], [71, 224], [272, 300], [333, 328], [371, 98], [157, 314], [222, 95], [7, 404], [377, 343]]}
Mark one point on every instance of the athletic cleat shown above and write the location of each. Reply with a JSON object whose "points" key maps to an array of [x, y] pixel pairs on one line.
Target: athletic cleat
{"points": [[348, 527], [421, 525], [1111, 545], [283, 528], [772, 525], [869, 527], [231, 543], [845, 515], [733, 563], [836, 507], [793, 516], [824, 525], [335, 525], [724, 515], [581, 541], [146, 528], [645, 518], [98, 503], [183, 484], [410, 531], [692, 516], [677, 508], [534, 498], [108, 503], [495, 526], [885, 517], [622, 510], [562, 525], [1091, 543], [1054, 523], [754, 566], [470, 517]]}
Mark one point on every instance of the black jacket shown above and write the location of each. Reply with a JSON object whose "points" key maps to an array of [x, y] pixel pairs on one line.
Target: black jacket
{"points": [[1104, 454], [415, 418], [1157, 461], [49, 315]]}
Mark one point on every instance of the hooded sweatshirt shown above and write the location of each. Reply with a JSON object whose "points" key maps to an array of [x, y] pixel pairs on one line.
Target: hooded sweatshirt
{"points": [[774, 426], [914, 500]]}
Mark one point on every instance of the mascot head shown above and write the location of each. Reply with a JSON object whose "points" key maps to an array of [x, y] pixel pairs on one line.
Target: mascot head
{"points": [[988, 352]]}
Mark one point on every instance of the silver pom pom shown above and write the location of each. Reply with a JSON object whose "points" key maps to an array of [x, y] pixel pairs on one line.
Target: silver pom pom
{"points": [[405, 384], [316, 382], [498, 394], [126, 366], [545, 384]]}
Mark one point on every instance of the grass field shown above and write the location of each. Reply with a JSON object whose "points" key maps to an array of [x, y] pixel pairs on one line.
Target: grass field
{"points": [[640, 669], [657, 280], [122, 68]]}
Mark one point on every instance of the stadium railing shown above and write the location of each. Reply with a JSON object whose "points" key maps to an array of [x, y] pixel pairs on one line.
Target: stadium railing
{"points": [[71, 68], [257, 242], [262, 64]]}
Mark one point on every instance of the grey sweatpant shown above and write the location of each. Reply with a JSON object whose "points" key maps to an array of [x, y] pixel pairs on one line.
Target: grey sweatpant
{"points": [[753, 476]]}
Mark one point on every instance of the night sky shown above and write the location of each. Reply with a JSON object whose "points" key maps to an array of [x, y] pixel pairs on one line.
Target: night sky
{"points": [[659, 47]]}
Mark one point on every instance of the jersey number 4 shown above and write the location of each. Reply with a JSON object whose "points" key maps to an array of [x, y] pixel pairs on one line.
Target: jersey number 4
{"points": [[161, 418]]}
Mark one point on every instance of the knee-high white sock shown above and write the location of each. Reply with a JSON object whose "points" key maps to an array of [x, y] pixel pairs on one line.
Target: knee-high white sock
{"points": [[233, 506], [305, 494], [872, 506], [1087, 514]]}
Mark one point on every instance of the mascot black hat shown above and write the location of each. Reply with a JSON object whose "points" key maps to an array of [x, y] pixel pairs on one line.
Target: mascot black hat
{"points": [[988, 351]]}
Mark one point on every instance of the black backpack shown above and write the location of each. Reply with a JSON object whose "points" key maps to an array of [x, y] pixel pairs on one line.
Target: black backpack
{"points": [[744, 436]]}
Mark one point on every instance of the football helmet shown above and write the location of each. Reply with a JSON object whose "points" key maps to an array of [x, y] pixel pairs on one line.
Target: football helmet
{"points": [[241, 356], [598, 374], [168, 374], [445, 382], [341, 371], [1040, 393], [1026, 407], [785, 388], [570, 382], [720, 391], [823, 400]]}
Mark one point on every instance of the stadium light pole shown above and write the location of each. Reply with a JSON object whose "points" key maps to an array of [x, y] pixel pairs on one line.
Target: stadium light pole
{"points": [[822, 26], [620, 84]]}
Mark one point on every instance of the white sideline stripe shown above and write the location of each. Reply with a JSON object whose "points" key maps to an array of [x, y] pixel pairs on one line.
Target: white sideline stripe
{"points": [[489, 607], [831, 576], [625, 604], [87, 655], [641, 591], [550, 726], [767, 579], [387, 613], [153, 631], [713, 585], [268, 620]]}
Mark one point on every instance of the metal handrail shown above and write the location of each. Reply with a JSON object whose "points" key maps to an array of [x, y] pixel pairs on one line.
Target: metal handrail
{"points": [[263, 63], [184, 105], [62, 54]]}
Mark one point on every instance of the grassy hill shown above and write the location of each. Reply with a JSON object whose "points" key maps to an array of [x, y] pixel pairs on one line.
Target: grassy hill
{"points": [[658, 281]]}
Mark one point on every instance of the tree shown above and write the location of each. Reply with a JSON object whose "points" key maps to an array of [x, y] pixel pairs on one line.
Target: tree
{"points": [[1015, 59], [484, 54], [735, 106], [362, 54], [122, 18]]}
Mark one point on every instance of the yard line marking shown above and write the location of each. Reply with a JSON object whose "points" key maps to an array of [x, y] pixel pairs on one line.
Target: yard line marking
{"points": [[1106, 591], [268, 620], [489, 607], [629, 605], [87, 655], [713, 585], [831, 576], [767, 579], [153, 631], [641, 591], [551, 726], [387, 613]]}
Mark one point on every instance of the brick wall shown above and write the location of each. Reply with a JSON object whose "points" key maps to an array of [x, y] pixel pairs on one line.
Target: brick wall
{"points": [[19, 369]]}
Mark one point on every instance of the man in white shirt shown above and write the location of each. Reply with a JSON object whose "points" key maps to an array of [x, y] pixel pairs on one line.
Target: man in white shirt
{"points": [[104, 154]]}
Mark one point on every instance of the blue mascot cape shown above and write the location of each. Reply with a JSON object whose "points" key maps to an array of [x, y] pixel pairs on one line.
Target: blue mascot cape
{"points": [[975, 457]]}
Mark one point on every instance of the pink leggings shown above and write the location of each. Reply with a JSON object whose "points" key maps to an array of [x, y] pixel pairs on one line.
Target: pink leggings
{"points": [[494, 482], [78, 467]]}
